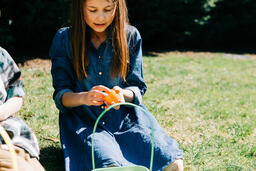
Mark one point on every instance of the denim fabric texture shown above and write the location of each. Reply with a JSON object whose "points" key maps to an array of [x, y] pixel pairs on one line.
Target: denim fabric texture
{"points": [[123, 136]]}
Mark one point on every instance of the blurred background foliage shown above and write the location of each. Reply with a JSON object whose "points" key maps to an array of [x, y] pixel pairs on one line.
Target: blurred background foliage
{"points": [[29, 26]]}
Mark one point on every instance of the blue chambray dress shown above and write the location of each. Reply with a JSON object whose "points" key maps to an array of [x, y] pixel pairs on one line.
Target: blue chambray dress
{"points": [[123, 136]]}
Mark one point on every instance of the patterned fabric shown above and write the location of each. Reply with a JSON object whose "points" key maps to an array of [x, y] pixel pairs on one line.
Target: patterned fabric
{"points": [[21, 135], [11, 86]]}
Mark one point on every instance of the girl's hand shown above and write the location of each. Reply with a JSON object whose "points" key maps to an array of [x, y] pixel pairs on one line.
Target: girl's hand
{"points": [[121, 96], [95, 96]]}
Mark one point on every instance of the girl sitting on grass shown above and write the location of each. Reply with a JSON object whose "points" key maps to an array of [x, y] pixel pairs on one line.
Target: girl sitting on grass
{"points": [[98, 52]]}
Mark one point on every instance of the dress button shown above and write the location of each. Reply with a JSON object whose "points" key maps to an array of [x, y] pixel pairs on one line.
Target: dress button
{"points": [[100, 73], [99, 57], [103, 123]]}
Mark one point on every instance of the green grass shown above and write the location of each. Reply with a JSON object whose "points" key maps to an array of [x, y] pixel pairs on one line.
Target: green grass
{"points": [[206, 101]]}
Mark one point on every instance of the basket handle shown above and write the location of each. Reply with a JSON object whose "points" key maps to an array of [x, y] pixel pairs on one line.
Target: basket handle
{"points": [[8, 142], [127, 104]]}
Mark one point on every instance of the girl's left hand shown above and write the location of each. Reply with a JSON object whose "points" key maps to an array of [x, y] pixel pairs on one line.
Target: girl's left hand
{"points": [[121, 95]]}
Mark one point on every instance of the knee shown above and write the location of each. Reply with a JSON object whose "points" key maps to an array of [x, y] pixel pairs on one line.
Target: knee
{"points": [[177, 165]]}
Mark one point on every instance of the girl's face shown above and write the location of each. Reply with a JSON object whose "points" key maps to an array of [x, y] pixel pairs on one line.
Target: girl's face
{"points": [[99, 14]]}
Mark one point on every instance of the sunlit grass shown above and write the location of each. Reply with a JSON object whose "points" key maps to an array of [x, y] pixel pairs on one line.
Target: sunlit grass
{"points": [[206, 101]]}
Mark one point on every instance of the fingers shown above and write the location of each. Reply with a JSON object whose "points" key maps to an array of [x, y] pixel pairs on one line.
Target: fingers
{"points": [[5, 160], [119, 91], [117, 107], [5, 164], [6, 169], [22, 153], [96, 97], [97, 94], [101, 88], [96, 103]]}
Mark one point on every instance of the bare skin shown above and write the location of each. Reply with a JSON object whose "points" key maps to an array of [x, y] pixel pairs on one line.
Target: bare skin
{"points": [[94, 97], [177, 165], [10, 107]]}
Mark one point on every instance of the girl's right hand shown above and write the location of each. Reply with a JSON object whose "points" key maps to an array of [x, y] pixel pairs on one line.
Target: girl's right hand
{"points": [[95, 96]]}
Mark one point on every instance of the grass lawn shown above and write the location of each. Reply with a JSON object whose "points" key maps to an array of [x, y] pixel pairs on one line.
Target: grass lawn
{"points": [[206, 101]]}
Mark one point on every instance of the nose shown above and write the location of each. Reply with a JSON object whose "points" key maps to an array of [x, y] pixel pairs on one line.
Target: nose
{"points": [[101, 17]]}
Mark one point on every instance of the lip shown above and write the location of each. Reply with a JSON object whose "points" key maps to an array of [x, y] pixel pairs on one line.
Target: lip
{"points": [[99, 25]]}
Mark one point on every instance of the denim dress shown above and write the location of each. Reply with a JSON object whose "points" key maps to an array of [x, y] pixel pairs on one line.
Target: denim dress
{"points": [[123, 137]]}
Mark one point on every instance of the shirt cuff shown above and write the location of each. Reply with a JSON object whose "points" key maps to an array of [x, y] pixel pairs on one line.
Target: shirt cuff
{"points": [[137, 95], [15, 91], [58, 100]]}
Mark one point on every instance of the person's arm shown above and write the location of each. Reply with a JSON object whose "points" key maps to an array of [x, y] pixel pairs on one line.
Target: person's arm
{"points": [[10, 107], [93, 97], [71, 99], [135, 86], [61, 70]]}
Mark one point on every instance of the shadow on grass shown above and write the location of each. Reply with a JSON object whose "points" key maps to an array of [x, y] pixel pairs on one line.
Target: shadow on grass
{"points": [[52, 158]]}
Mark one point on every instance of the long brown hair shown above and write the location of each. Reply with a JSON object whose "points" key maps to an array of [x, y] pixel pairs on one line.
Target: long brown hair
{"points": [[80, 38]]}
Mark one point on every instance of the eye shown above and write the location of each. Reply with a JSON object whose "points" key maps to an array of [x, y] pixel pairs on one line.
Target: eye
{"points": [[108, 10], [92, 10]]}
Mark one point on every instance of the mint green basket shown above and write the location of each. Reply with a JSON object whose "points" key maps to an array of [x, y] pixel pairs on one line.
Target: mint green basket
{"points": [[124, 168]]}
